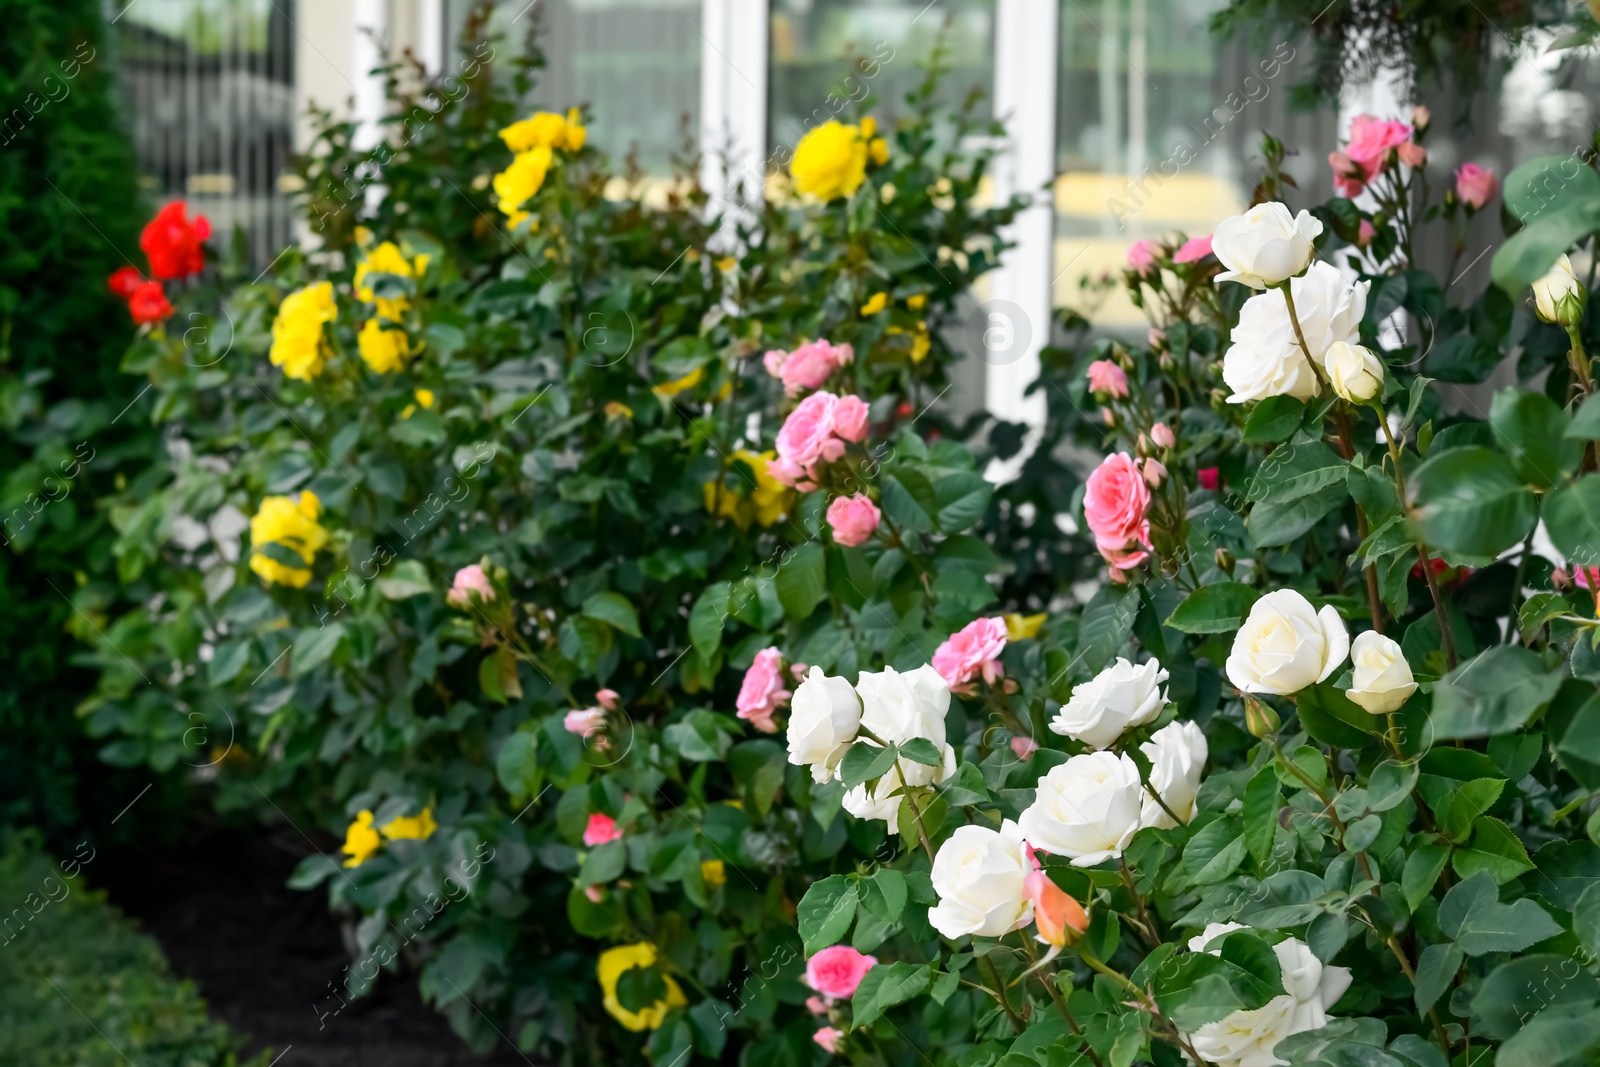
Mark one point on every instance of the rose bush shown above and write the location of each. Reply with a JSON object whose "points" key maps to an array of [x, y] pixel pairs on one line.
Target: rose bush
{"points": [[529, 600]]}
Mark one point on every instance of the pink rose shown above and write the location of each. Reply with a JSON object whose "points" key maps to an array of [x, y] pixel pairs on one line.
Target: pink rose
{"points": [[971, 652], [850, 419], [1194, 250], [816, 1005], [808, 366], [831, 1038], [1106, 377], [1371, 139], [1586, 577], [835, 972], [601, 828], [585, 723], [1365, 234], [1162, 435], [807, 435], [1142, 256], [853, 519], [609, 699], [1155, 472], [1412, 154], [1348, 176], [762, 692], [1115, 501], [1208, 478], [469, 580], [1476, 185], [1024, 747]]}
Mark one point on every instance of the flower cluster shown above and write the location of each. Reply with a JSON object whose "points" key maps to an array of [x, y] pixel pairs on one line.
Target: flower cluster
{"points": [[535, 141], [382, 341], [809, 366], [817, 432], [174, 245]]}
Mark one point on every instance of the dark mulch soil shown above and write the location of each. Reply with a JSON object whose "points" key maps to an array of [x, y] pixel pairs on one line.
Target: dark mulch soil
{"points": [[263, 955]]}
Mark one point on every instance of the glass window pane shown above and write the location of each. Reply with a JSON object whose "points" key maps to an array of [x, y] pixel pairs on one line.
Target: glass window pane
{"points": [[635, 63], [849, 48]]}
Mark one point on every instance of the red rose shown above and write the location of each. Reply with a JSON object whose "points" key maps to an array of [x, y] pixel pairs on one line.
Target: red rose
{"points": [[149, 303], [124, 280], [172, 242]]}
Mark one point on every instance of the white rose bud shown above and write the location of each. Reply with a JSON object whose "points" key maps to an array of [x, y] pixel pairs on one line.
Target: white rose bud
{"points": [[1355, 372], [1087, 808], [1177, 754], [1265, 245], [1248, 1038], [897, 707], [978, 875], [823, 719], [1559, 297], [1285, 645], [1117, 699], [1382, 679], [885, 801]]}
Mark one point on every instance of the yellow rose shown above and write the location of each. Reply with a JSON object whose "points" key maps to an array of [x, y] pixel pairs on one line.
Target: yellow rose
{"points": [[360, 840], [830, 161], [517, 183], [546, 129], [291, 523], [918, 302], [424, 399], [877, 303], [411, 827], [576, 134], [386, 259], [384, 350], [714, 873], [614, 963], [298, 345], [765, 503]]}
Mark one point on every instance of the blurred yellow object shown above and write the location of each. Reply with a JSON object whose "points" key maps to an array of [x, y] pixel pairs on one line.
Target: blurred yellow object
{"points": [[1022, 627], [411, 827], [614, 963], [714, 873], [291, 523], [766, 502], [360, 840]]}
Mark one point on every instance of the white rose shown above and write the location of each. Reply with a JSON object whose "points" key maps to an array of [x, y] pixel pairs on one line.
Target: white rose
{"points": [[1354, 371], [882, 802], [1265, 245], [1265, 358], [823, 718], [1177, 755], [898, 707], [1328, 308], [1248, 1038], [1558, 296], [1382, 679], [979, 876], [1285, 645], [1086, 808], [1117, 699]]}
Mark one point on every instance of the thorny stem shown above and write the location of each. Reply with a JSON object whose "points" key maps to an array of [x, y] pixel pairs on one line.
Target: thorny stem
{"points": [[1048, 980], [1396, 455], [1000, 995], [1145, 921]]}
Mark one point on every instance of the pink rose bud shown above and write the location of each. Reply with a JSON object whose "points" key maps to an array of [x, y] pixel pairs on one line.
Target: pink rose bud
{"points": [[1162, 436], [585, 723], [1365, 234], [831, 1038], [1476, 185], [798, 670], [1107, 378], [972, 652], [1208, 478], [1193, 250], [601, 828], [853, 519], [593, 893], [1157, 338], [816, 1005], [608, 699], [1421, 117], [1348, 176], [1412, 154], [1142, 256], [762, 693], [1059, 919], [1154, 472], [1024, 747], [835, 972], [469, 580]]}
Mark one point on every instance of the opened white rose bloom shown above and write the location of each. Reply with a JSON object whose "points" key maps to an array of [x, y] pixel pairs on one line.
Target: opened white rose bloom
{"points": [[1382, 679], [1177, 754], [1086, 808], [898, 707], [882, 803], [1118, 698], [1265, 245], [1558, 296], [1328, 308], [1354, 371], [1285, 645], [1265, 358], [823, 719], [979, 876], [1247, 1038]]}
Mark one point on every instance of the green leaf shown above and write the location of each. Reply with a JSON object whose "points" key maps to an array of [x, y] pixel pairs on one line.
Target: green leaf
{"points": [[1537, 610], [884, 894], [1214, 853], [1469, 500], [1213, 609], [1334, 719], [1273, 420], [802, 580], [1572, 516], [710, 611], [1493, 849], [1436, 969], [409, 578], [1263, 798], [1492, 693], [1586, 918], [1528, 254], [1421, 874], [1586, 420], [885, 986], [312, 648], [1105, 624], [603, 863], [1457, 804], [825, 912], [1389, 785], [1530, 427], [1496, 927], [1519, 989], [909, 500], [1555, 1036], [697, 737], [864, 762], [517, 764], [1578, 750], [921, 750], [963, 497], [1270, 525], [1297, 470], [1548, 182], [613, 609]]}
